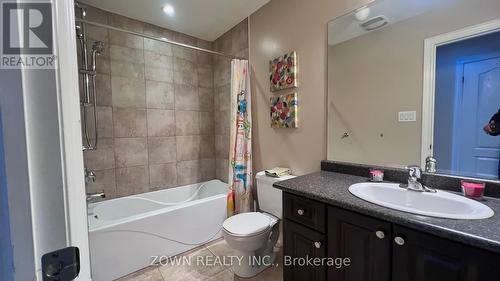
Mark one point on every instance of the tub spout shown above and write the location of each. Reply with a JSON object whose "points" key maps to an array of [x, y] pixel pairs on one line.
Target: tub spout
{"points": [[96, 195]]}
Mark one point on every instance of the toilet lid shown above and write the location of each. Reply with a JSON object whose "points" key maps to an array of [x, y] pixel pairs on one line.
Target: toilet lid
{"points": [[247, 223]]}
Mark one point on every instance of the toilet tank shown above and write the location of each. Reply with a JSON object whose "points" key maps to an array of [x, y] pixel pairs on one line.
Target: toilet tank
{"points": [[270, 198]]}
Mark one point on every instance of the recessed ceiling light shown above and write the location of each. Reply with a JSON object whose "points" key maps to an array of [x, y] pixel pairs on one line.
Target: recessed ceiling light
{"points": [[169, 10]]}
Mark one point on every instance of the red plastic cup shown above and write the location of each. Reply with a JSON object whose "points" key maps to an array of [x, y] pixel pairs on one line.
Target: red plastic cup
{"points": [[474, 190]]}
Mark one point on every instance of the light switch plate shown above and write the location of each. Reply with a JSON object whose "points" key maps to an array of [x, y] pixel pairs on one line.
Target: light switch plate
{"points": [[407, 116]]}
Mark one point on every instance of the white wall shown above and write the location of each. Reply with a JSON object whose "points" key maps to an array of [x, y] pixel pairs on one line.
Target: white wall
{"points": [[279, 27]]}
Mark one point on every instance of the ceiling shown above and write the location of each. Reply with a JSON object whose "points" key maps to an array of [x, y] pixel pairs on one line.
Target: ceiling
{"points": [[347, 27], [205, 19]]}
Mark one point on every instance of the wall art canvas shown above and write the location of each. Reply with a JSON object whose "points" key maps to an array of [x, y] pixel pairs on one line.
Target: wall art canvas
{"points": [[283, 72], [284, 110]]}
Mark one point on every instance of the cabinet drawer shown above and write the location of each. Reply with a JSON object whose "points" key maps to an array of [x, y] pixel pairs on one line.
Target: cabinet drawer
{"points": [[304, 211]]}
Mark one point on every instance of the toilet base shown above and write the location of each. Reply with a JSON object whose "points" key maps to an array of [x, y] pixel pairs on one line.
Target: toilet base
{"points": [[253, 263]]}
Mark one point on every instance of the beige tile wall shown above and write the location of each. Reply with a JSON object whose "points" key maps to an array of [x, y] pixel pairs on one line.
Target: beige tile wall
{"points": [[234, 42], [163, 111]]}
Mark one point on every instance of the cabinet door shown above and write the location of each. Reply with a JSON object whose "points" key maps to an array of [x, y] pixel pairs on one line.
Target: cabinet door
{"points": [[424, 257], [302, 243], [364, 240]]}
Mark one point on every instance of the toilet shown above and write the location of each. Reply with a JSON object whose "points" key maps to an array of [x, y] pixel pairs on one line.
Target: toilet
{"points": [[254, 235]]}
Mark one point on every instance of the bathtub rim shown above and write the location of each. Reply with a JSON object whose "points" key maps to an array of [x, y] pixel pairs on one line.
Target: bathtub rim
{"points": [[112, 223]]}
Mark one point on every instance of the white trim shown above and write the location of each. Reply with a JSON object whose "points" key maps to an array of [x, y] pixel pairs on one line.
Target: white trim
{"points": [[430, 47], [71, 138]]}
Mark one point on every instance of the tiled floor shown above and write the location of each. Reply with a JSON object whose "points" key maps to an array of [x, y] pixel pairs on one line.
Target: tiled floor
{"points": [[197, 272]]}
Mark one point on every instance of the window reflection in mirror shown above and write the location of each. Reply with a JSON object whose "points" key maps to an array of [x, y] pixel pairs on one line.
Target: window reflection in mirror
{"points": [[377, 93]]}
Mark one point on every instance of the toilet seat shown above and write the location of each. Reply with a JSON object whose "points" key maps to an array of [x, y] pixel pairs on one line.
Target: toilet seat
{"points": [[248, 224]]}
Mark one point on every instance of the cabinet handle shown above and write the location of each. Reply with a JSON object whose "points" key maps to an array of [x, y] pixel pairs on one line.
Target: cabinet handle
{"points": [[380, 234], [300, 212], [317, 245], [399, 240]]}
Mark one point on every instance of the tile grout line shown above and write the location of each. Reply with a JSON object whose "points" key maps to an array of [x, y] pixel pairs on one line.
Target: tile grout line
{"points": [[149, 187]]}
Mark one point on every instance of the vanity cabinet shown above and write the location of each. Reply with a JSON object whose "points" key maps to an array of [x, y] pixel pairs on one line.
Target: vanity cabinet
{"points": [[304, 238], [378, 250], [364, 240], [417, 256]]}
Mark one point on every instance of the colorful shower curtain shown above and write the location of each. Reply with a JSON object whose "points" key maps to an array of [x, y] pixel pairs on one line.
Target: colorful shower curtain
{"points": [[240, 162]]}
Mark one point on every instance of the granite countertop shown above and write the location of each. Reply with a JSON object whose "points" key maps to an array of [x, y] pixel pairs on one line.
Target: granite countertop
{"points": [[332, 188]]}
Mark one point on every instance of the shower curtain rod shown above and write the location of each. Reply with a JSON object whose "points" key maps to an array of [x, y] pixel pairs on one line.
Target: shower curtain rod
{"points": [[164, 40]]}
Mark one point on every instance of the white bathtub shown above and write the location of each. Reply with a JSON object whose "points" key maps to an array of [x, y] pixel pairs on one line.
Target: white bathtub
{"points": [[125, 233]]}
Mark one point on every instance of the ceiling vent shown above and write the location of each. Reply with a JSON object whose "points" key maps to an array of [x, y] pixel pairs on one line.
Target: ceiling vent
{"points": [[375, 23]]}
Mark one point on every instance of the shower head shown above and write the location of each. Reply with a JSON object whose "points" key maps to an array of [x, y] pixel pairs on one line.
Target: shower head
{"points": [[98, 47], [81, 8]]}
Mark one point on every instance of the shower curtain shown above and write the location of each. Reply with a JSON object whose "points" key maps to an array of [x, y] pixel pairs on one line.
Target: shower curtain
{"points": [[240, 162]]}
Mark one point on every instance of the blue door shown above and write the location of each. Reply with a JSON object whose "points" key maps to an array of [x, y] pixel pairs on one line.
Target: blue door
{"points": [[6, 262], [476, 153]]}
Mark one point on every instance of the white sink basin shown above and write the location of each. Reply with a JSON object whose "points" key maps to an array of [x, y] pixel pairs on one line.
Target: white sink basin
{"points": [[441, 204]]}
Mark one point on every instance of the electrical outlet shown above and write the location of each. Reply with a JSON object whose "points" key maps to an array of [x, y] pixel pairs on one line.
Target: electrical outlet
{"points": [[407, 116]]}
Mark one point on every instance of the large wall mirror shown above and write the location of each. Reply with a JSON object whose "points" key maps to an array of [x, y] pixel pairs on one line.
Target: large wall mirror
{"points": [[408, 79]]}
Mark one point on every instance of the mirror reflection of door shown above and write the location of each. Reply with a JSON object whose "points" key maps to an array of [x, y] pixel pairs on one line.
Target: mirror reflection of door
{"points": [[467, 96], [477, 151]]}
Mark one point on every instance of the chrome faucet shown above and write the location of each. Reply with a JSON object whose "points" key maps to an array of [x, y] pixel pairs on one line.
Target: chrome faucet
{"points": [[430, 164], [89, 176], [414, 177], [95, 195]]}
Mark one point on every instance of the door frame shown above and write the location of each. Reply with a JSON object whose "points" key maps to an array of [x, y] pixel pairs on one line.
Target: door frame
{"points": [[70, 133], [43, 155], [429, 76]]}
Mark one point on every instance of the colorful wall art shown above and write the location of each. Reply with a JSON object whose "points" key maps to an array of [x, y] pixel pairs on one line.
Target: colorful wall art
{"points": [[283, 72], [284, 111]]}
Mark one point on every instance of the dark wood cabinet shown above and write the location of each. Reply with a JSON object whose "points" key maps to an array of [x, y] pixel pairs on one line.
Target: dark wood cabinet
{"points": [[364, 240], [301, 244], [422, 257], [305, 211], [378, 250]]}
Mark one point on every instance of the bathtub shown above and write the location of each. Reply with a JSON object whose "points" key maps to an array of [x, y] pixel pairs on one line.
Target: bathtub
{"points": [[125, 233]]}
